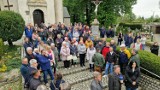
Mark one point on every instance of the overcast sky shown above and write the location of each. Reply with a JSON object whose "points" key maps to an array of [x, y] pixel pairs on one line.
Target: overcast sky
{"points": [[146, 8]]}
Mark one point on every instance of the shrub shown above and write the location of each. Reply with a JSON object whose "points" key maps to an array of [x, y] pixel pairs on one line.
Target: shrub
{"points": [[150, 62], [109, 39], [1, 48], [11, 26]]}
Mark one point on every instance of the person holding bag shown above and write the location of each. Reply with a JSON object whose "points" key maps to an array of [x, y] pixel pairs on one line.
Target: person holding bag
{"points": [[73, 52], [65, 54]]}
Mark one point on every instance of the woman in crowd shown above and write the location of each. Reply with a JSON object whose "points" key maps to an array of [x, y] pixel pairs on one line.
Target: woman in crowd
{"points": [[55, 51], [90, 53], [41, 46], [59, 41], [143, 41], [82, 52], [120, 38], [65, 52], [155, 48], [88, 42], [132, 75], [138, 45], [73, 52]]}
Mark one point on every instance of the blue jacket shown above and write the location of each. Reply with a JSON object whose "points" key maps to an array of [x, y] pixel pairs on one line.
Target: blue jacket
{"points": [[73, 50], [44, 61], [28, 33], [25, 72], [129, 41], [123, 58]]}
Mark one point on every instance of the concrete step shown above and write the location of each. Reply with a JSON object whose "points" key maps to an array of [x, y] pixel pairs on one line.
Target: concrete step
{"points": [[79, 77], [86, 85], [72, 70]]}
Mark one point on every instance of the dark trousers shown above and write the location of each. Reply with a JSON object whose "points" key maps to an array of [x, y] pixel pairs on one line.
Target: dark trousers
{"points": [[119, 42], [45, 72], [91, 67], [66, 64], [82, 59], [123, 67]]}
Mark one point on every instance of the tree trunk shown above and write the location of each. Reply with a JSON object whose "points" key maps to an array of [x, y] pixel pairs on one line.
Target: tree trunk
{"points": [[10, 42]]}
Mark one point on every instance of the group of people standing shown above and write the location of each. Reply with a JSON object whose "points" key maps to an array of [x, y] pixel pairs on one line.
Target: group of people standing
{"points": [[46, 46]]}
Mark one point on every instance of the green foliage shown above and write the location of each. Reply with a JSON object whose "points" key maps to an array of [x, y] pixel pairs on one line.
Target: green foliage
{"points": [[108, 10], [1, 48], [109, 39], [150, 62], [132, 26], [11, 26], [11, 59]]}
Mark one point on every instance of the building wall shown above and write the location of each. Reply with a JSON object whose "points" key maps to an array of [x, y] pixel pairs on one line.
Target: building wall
{"points": [[67, 21], [59, 10]]}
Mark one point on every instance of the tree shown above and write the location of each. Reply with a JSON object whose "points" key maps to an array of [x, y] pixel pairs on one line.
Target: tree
{"points": [[108, 11], [11, 26]]}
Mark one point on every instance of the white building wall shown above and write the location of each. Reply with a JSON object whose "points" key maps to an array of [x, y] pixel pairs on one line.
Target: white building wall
{"points": [[59, 10]]}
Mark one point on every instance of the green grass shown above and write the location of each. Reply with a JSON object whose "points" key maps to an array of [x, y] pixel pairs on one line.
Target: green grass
{"points": [[11, 57]]}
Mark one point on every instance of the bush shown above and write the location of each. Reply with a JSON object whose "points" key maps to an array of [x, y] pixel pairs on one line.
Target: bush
{"points": [[1, 48], [109, 39], [132, 26], [150, 62], [11, 26]]}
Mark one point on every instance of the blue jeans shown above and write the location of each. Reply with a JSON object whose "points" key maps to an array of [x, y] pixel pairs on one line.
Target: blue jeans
{"points": [[143, 46], [45, 73], [108, 66], [127, 88]]}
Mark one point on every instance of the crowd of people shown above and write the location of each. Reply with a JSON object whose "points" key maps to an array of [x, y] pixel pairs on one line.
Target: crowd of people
{"points": [[45, 46]]}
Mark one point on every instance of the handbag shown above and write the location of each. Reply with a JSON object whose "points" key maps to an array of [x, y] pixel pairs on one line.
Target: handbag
{"points": [[75, 59], [69, 57]]}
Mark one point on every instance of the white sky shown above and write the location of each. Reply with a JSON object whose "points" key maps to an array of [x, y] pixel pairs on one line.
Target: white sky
{"points": [[146, 8]]}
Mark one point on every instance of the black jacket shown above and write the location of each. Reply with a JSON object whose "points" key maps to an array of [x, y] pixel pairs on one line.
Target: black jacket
{"points": [[114, 82], [111, 58], [131, 77], [154, 49]]}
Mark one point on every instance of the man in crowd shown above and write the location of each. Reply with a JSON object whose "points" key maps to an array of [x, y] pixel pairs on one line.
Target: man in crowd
{"points": [[96, 84], [111, 59], [25, 72], [115, 79], [35, 81], [135, 57], [30, 54], [124, 57], [98, 60]]}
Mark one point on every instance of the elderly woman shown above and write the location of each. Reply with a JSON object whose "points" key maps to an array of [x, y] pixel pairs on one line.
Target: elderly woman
{"points": [[90, 53], [65, 52], [82, 52], [33, 65]]}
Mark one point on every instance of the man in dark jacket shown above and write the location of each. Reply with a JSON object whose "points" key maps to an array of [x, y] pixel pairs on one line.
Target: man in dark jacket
{"points": [[25, 71], [44, 61], [111, 59], [114, 82], [102, 32], [35, 81], [30, 54], [128, 41], [99, 45], [27, 44]]}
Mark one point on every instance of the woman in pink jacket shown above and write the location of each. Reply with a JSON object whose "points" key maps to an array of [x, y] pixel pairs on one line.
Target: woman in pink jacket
{"points": [[65, 52]]}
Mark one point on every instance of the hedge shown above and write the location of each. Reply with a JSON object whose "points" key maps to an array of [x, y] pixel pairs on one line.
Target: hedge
{"points": [[132, 26], [150, 61]]}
